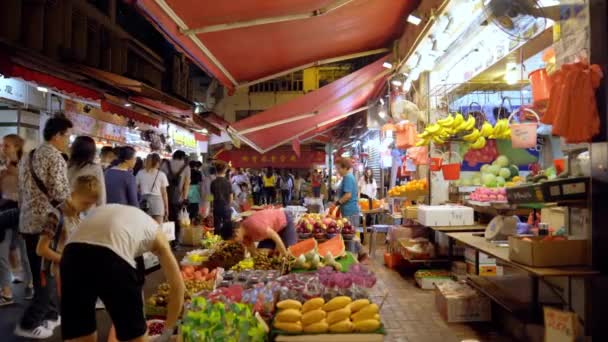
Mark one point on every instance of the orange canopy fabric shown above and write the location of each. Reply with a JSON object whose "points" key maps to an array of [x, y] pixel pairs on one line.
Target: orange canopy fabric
{"points": [[314, 112], [240, 55]]}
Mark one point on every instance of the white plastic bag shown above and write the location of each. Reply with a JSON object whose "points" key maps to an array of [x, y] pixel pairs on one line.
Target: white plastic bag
{"points": [[184, 218]]}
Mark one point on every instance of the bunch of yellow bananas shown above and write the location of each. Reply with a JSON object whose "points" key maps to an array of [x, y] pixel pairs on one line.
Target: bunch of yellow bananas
{"points": [[501, 130], [441, 131]]}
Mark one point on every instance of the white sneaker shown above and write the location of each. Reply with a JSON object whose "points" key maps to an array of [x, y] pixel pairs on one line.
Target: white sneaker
{"points": [[38, 333], [52, 324]]}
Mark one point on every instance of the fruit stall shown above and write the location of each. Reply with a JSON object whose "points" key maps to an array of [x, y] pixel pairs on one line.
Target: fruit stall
{"points": [[319, 289], [498, 207]]}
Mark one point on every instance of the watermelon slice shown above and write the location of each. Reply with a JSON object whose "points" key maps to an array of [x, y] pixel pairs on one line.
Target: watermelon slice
{"points": [[335, 246], [303, 247]]}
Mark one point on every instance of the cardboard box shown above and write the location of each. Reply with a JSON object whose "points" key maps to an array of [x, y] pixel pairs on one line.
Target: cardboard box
{"points": [[458, 302], [445, 215], [397, 233], [484, 259], [427, 279], [490, 270], [192, 235], [537, 253], [485, 270]]}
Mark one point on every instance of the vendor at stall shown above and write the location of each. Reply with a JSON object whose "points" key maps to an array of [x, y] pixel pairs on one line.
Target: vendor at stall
{"points": [[272, 228], [99, 262], [348, 193]]}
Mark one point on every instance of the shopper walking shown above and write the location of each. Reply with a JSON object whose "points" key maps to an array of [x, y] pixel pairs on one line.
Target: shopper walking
{"points": [[152, 186], [297, 186], [206, 196], [43, 185], [269, 181], [82, 163], [221, 189], [196, 189], [10, 240], [256, 186], [121, 187], [286, 185], [178, 175], [316, 183], [367, 184], [106, 156], [98, 261]]}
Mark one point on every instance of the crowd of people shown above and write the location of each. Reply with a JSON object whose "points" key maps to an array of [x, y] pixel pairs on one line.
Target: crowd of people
{"points": [[74, 224]]}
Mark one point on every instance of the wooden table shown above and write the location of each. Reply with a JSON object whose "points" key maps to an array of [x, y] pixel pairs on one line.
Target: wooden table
{"points": [[454, 229], [480, 244]]}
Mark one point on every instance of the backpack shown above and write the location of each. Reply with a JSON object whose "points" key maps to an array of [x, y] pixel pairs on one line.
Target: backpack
{"points": [[173, 190]]}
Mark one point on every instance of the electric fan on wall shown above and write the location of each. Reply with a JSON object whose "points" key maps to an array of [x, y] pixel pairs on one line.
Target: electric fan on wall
{"points": [[519, 19]]}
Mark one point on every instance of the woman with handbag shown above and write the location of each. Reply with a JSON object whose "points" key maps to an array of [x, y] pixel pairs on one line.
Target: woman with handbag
{"points": [[152, 184]]}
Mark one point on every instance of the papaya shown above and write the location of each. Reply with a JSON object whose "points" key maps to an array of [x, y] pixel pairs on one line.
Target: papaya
{"points": [[368, 325], [292, 327], [313, 304], [337, 303], [288, 315], [289, 304], [317, 328], [313, 316], [344, 326], [338, 315], [358, 304]]}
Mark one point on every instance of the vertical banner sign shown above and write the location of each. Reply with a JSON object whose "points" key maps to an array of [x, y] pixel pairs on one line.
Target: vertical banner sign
{"points": [[295, 145]]}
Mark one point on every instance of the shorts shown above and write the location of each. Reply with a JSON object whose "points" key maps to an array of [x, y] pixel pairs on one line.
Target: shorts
{"points": [[89, 272], [156, 206]]}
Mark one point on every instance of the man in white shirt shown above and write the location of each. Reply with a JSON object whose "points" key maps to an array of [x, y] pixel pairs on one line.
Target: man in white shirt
{"points": [[99, 261]]}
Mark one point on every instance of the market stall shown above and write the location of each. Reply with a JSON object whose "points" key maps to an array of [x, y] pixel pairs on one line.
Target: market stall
{"points": [[319, 289], [500, 192]]}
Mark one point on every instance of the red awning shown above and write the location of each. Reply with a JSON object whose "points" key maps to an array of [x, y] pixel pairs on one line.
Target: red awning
{"points": [[127, 113], [226, 37], [10, 69], [160, 106], [314, 112], [280, 158]]}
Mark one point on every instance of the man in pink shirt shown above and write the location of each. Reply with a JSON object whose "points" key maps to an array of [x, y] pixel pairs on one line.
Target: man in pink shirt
{"points": [[272, 228]]}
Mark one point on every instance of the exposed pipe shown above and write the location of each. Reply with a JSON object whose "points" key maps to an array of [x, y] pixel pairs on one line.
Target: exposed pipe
{"points": [[268, 20], [313, 64]]}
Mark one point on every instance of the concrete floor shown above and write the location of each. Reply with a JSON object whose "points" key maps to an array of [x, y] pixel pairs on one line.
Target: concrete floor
{"points": [[409, 313]]}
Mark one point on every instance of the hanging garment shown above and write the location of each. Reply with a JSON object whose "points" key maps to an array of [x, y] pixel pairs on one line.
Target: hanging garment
{"points": [[405, 135], [572, 108]]}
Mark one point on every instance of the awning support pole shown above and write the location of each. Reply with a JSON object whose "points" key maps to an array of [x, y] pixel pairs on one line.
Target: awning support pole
{"points": [[268, 20]]}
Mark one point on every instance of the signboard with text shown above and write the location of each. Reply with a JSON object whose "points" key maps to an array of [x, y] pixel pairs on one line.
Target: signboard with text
{"points": [[276, 159]]}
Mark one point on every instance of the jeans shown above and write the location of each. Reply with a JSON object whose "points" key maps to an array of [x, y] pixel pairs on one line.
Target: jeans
{"points": [[286, 194], [222, 221], [12, 238], [44, 305]]}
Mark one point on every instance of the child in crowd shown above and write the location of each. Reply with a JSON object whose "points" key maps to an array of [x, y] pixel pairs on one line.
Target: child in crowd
{"points": [[64, 221]]}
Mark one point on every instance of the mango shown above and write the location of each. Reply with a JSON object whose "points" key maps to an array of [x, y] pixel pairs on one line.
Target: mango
{"points": [[344, 326], [368, 325], [292, 327], [289, 304], [316, 328], [367, 312], [338, 315], [313, 316], [313, 304], [288, 315], [358, 304], [337, 303]]}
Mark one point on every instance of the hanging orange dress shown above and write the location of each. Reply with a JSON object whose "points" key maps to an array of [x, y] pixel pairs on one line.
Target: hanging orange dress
{"points": [[405, 135], [572, 108]]}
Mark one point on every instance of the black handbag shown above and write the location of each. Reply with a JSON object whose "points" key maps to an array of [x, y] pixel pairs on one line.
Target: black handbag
{"points": [[144, 204]]}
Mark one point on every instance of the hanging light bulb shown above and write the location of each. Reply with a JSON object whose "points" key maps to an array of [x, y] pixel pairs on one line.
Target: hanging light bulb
{"points": [[407, 85], [512, 73], [396, 82]]}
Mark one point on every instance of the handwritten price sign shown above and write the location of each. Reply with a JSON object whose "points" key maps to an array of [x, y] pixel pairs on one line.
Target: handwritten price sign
{"points": [[560, 326]]}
